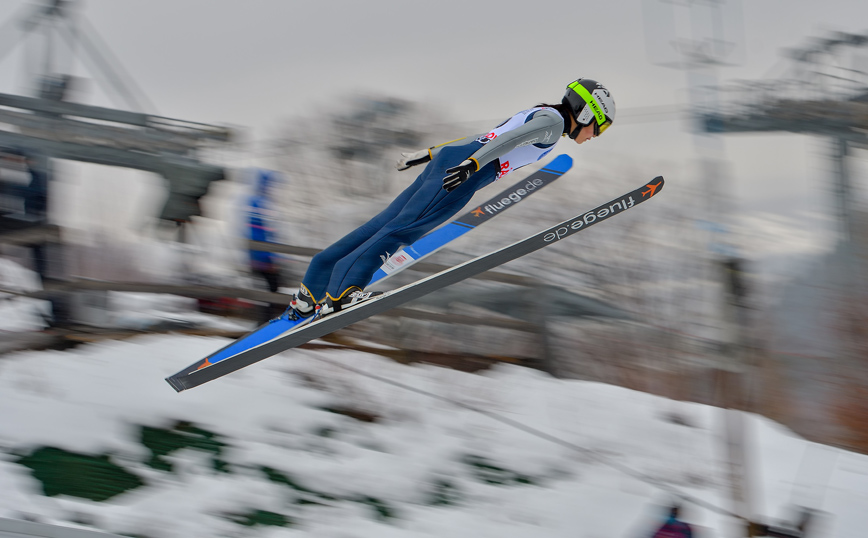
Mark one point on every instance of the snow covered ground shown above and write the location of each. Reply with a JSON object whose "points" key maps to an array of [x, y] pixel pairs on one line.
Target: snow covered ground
{"points": [[447, 454]]}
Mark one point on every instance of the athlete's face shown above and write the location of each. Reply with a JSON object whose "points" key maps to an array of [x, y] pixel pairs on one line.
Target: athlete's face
{"points": [[585, 134]]}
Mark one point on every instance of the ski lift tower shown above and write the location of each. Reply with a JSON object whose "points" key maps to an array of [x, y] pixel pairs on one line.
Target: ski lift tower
{"points": [[824, 92], [47, 124], [699, 37]]}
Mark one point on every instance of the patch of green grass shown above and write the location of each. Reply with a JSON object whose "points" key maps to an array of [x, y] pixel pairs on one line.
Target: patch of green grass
{"points": [[487, 471], [382, 510], [163, 441], [78, 475], [261, 518], [281, 478], [444, 493], [326, 431]]}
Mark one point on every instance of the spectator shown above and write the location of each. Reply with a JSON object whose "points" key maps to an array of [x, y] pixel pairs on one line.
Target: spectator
{"points": [[263, 263], [674, 527]]}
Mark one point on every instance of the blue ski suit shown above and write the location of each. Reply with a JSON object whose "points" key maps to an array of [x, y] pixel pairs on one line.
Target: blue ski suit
{"points": [[351, 261]]}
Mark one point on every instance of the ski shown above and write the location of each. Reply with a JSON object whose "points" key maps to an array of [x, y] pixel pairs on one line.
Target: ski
{"points": [[484, 212], [205, 370], [425, 246]]}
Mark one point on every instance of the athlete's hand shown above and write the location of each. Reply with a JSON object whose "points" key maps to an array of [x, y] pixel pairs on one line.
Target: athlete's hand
{"points": [[412, 159], [458, 174]]}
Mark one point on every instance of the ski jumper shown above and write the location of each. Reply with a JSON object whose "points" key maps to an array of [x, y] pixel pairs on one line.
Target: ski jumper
{"points": [[351, 261]]}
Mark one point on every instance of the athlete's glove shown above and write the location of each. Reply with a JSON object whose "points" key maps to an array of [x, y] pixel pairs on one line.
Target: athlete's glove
{"points": [[412, 159], [458, 174]]}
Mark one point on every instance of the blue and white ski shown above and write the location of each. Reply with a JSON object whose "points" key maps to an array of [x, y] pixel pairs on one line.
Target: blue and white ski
{"points": [[437, 239], [206, 370], [425, 246]]}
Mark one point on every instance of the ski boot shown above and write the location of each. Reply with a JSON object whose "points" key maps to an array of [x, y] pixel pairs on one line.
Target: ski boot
{"points": [[351, 296], [301, 306]]}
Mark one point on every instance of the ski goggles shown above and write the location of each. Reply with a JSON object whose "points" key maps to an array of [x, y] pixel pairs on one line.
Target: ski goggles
{"points": [[598, 128]]}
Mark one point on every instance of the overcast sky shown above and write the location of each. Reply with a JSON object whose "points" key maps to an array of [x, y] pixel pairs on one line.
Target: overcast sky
{"points": [[258, 63]]}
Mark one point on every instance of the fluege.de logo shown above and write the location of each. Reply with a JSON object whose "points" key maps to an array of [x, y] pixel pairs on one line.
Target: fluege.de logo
{"points": [[513, 197], [589, 218]]}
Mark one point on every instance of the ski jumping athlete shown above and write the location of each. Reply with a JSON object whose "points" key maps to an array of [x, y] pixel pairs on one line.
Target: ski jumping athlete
{"points": [[337, 276]]}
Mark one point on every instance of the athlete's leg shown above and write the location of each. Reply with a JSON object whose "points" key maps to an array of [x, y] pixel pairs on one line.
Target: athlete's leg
{"points": [[318, 273], [429, 207]]}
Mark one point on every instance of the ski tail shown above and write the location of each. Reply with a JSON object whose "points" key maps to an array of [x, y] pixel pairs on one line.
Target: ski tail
{"points": [[434, 241], [186, 379], [262, 334]]}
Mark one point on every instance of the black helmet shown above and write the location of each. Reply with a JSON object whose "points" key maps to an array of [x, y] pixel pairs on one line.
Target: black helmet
{"points": [[590, 102]]}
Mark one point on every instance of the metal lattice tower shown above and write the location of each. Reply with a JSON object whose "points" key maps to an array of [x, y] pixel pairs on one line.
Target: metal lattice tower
{"points": [[48, 125], [822, 92]]}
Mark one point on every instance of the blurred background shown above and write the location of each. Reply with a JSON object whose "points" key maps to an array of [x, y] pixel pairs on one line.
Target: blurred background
{"points": [[147, 150]]}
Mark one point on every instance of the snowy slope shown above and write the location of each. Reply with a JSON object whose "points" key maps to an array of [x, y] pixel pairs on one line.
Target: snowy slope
{"points": [[18, 313], [278, 414]]}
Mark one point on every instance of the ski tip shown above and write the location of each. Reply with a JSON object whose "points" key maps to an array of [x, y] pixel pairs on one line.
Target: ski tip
{"points": [[175, 383], [653, 187]]}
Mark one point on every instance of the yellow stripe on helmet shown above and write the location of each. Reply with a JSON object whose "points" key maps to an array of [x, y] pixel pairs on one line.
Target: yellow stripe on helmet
{"points": [[592, 102]]}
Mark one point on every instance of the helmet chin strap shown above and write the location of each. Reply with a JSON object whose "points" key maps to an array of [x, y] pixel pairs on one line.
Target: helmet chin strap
{"points": [[575, 132], [567, 113]]}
